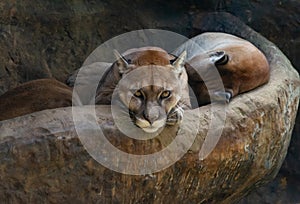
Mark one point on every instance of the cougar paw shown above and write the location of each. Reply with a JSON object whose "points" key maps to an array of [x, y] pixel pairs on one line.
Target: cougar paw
{"points": [[175, 116], [222, 96]]}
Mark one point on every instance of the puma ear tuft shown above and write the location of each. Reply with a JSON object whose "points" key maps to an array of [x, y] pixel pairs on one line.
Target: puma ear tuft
{"points": [[178, 64], [219, 58], [121, 62]]}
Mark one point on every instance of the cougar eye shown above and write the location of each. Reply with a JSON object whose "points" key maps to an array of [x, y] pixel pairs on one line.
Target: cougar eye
{"points": [[138, 94], [165, 94]]}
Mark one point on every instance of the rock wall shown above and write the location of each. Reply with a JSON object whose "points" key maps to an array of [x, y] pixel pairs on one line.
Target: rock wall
{"points": [[42, 159], [52, 38]]}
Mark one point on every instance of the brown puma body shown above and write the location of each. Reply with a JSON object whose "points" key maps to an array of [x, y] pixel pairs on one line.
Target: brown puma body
{"points": [[241, 65], [34, 96]]}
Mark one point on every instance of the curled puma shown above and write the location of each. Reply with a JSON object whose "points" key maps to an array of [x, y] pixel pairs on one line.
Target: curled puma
{"points": [[241, 66]]}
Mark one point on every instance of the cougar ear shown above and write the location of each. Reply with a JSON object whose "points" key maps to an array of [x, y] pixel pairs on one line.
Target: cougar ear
{"points": [[219, 58], [121, 62], [178, 64]]}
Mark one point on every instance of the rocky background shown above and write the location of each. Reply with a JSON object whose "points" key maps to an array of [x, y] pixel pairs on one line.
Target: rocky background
{"points": [[40, 39]]}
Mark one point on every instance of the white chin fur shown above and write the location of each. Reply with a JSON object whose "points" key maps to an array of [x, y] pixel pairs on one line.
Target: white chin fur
{"points": [[150, 129], [146, 127]]}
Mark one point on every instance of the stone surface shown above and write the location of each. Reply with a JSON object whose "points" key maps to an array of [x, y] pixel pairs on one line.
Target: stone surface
{"points": [[279, 21], [52, 38], [42, 159], [284, 189]]}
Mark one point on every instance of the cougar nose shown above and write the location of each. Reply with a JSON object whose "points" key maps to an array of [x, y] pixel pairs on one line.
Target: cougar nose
{"points": [[151, 114]]}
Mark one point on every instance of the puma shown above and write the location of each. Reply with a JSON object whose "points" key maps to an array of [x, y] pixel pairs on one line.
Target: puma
{"points": [[34, 96], [152, 85], [241, 66]]}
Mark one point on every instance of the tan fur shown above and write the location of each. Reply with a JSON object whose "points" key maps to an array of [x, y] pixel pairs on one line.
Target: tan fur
{"points": [[150, 56], [34, 96], [247, 67], [139, 57]]}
